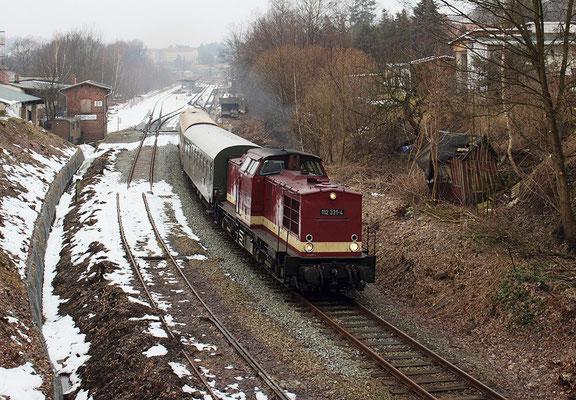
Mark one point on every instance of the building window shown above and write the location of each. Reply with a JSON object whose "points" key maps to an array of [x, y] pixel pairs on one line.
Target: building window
{"points": [[291, 214], [85, 106]]}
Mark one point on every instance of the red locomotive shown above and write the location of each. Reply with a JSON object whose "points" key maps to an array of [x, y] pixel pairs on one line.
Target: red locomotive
{"points": [[279, 205]]}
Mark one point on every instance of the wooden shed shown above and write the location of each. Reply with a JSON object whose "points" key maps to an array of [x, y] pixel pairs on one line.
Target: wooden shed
{"points": [[467, 167], [67, 128]]}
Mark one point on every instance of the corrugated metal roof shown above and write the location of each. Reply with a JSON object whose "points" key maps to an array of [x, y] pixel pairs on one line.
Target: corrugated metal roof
{"points": [[89, 82], [10, 96], [39, 85]]}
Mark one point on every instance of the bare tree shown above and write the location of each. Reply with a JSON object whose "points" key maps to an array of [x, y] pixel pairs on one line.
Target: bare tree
{"points": [[21, 55]]}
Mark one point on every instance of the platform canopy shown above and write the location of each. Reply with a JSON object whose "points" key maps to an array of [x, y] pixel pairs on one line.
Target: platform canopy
{"points": [[11, 97]]}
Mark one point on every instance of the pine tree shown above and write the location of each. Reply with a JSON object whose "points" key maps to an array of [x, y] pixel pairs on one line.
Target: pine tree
{"points": [[427, 33], [362, 12]]}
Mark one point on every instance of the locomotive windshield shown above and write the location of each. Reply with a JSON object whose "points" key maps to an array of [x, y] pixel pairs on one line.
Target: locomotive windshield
{"points": [[272, 167], [249, 166], [312, 166]]}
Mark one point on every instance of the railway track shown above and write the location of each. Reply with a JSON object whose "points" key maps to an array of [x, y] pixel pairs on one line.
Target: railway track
{"points": [[250, 360], [159, 313], [421, 370], [155, 125], [209, 315]]}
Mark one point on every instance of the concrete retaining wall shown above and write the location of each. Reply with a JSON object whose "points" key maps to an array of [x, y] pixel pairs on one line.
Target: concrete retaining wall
{"points": [[35, 261]]}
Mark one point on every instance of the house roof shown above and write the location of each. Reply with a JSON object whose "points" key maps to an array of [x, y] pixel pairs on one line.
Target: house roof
{"points": [[10, 97], [89, 82], [38, 84]]}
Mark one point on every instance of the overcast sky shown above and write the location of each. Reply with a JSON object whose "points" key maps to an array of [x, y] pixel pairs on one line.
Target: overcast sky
{"points": [[156, 23]]}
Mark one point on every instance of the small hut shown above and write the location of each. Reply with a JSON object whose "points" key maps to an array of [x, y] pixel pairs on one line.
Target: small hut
{"points": [[467, 170]]}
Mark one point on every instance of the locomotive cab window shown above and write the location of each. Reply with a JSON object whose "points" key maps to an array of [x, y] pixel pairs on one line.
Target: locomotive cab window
{"points": [[271, 167], [253, 167], [245, 164]]}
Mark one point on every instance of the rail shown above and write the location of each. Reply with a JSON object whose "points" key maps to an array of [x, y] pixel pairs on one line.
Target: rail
{"points": [[136, 268]]}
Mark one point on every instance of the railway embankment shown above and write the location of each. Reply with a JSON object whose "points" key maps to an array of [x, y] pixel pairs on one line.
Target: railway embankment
{"points": [[36, 167]]}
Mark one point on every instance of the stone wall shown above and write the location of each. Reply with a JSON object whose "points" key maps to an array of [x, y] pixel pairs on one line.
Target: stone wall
{"points": [[35, 262]]}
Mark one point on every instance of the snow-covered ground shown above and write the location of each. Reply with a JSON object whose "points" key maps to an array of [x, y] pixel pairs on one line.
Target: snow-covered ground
{"points": [[19, 213], [19, 209]]}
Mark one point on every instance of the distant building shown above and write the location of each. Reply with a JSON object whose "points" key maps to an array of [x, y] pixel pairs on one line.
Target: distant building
{"points": [[175, 57], [475, 48], [232, 106], [19, 103], [88, 101], [45, 88]]}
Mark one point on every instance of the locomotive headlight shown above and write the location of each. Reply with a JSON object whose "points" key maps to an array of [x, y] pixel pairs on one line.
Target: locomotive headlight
{"points": [[354, 246], [309, 247], [332, 196]]}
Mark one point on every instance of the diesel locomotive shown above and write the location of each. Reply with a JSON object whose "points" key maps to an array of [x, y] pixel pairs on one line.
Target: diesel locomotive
{"points": [[279, 205]]}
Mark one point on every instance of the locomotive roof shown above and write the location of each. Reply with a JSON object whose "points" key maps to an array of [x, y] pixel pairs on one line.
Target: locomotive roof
{"points": [[212, 139], [264, 152]]}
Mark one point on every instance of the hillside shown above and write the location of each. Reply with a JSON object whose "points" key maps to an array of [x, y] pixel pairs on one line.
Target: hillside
{"points": [[30, 159]]}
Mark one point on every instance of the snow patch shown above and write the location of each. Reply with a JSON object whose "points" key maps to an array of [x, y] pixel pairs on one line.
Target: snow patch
{"points": [[157, 350], [20, 383], [179, 369]]}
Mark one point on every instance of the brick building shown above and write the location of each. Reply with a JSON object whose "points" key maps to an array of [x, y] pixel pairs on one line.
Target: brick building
{"points": [[88, 101]]}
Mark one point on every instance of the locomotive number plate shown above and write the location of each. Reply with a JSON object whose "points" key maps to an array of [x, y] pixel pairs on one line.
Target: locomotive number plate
{"points": [[331, 212]]}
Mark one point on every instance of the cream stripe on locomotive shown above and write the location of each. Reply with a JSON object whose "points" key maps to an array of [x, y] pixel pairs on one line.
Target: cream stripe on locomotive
{"points": [[319, 247]]}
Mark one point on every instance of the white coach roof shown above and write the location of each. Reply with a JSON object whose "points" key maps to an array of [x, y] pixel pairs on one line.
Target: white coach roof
{"points": [[212, 140], [194, 116]]}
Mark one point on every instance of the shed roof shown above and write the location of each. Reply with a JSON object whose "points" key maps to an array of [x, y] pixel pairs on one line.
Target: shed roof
{"points": [[89, 82], [451, 145], [10, 97]]}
